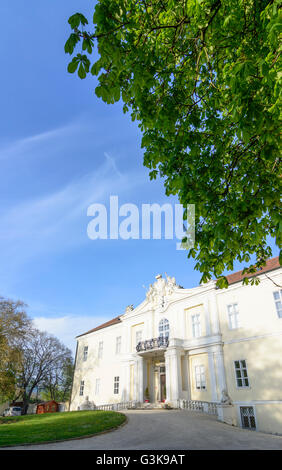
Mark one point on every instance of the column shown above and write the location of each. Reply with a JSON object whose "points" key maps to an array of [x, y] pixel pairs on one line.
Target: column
{"points": [[167, 376], [175, 374], [125, 381], [140, 378], [189, 378]]}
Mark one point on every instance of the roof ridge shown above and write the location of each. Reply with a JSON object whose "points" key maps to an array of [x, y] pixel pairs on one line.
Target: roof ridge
{"points": [[271, 264], [111, 322]]}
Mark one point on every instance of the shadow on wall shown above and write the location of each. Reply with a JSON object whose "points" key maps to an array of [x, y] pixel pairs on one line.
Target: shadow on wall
{"points": [[264, 367]]}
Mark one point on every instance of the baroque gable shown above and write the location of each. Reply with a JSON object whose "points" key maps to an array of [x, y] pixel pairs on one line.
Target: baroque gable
{"points": [[159, 293]]}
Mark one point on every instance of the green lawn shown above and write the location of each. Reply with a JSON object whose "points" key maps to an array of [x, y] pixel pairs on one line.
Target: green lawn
{"points": [[56, 426]]}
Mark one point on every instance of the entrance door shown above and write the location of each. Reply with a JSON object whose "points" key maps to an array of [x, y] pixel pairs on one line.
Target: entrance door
{"points": [[163, 388]]}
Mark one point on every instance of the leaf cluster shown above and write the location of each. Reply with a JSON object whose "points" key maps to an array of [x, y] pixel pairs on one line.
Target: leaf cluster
{"points": [[203, 80]]}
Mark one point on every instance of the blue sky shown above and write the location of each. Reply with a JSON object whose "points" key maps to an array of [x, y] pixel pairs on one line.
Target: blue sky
{"points": [[62, 149]]}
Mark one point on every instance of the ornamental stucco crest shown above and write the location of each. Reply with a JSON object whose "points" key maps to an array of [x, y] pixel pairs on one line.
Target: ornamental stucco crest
{"points": [[159, 292], [129, 308]]}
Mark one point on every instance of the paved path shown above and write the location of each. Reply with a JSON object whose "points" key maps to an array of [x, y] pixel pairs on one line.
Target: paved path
{"points": [[170, 430]]}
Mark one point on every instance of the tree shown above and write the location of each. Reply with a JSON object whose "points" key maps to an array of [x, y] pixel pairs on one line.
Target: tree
{"points": [[58, 382], [41, 355], [14, 326], [202, 79]]}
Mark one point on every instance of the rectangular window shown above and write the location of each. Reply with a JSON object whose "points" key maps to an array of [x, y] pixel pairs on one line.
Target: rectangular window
{"points": [[138, 337], [81, 390], [196, 325], [200, 378], [248, 417], [278, 302], [233, 316], [241, 373], [116, 385], [85, 353], [100, 350], [97, 387], [118, 344]]}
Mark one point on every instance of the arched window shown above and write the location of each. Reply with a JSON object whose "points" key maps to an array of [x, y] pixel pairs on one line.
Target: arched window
{"points": [[164, 328]]}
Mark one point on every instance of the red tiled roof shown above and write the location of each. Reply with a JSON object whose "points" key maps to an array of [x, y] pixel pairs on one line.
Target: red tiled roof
{"points": [[104, 325], [271, 264]]}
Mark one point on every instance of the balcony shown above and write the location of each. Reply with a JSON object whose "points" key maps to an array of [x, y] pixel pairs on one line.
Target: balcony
{"points": [[154, 343]]}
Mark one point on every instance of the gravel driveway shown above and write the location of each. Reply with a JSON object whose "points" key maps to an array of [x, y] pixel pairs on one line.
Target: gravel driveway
{"points": [[169, 430]]}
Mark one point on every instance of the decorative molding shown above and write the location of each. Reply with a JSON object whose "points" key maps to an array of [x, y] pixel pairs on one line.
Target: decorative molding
{"points": [[203, 341], [252, 338], [257, 402], [129, 308], [159, 292]]}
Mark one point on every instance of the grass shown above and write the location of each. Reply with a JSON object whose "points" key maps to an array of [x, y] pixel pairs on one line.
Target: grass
{"points": [[30, 429]]}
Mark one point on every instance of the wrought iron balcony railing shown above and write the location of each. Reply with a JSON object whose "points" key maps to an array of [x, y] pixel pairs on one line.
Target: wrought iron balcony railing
{"points": [[154, 343]]}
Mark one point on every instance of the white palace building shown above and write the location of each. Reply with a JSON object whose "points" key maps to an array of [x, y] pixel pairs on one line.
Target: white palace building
{"points": [[202, 348]]}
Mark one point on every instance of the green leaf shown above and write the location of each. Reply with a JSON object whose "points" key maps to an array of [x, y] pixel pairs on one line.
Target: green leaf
{"points": [[96, 67], [77, 19], [71, 43], [81, 71], [73, 66], [222, 283]]}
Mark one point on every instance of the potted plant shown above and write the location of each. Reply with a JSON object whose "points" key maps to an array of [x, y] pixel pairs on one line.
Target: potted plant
{"points": [[147, 395]]}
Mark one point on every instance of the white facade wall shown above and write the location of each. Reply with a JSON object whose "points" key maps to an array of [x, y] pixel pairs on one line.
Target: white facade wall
{"points": [[211, 355]]}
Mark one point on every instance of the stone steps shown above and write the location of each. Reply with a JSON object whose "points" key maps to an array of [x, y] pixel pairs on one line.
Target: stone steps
{"points": [[152, 406]]}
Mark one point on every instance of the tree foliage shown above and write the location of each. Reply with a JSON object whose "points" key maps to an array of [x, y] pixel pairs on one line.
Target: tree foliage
{"points": [[29, 358], [41, 355], [14, 325], [202, 78], [58, 382]]}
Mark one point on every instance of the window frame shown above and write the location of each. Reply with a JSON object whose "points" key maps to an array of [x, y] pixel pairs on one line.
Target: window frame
{"points": [[202, 376], [278, 301], [235, 314], [196, 325], [116, 385], [247, 406], [85, 353], [140, 333], [164, 328], [118, 344], [97, 385], [100, 349], [81, 388], [242, 378]]}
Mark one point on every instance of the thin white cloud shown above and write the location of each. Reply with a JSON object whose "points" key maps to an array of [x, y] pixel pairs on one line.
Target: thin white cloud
{"points": [[112, 162], [59, 220], [25, 145]]}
